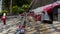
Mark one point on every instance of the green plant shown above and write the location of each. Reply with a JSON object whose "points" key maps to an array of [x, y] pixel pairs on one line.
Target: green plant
{"points": [[0, 15], [15, 9], [4, 11], [20, 10], [25, 7]]}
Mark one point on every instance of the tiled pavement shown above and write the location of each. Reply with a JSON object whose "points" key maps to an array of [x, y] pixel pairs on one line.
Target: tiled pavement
{"points": [[10, 27], [44, 28], [36, 29]]}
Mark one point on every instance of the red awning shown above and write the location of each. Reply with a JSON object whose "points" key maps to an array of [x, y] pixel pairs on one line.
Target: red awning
{"points": [[48, 9], [55, 4]]}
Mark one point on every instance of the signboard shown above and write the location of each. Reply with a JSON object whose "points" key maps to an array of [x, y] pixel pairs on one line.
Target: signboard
{"points": [[58, 14]]}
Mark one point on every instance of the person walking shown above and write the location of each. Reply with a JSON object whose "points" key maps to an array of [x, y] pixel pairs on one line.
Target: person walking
{"points": [[21, 29], [4, 18]]}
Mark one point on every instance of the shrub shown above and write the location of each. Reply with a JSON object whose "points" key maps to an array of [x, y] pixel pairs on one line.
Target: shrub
{"points": [[20, 10], [25, 7], [0, 15], [15, 9], [4, 11]]}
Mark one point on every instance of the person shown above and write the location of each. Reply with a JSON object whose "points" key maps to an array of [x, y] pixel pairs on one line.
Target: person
{"points": [[46, 18], [21, 29], [51, 17], [4, 18]]}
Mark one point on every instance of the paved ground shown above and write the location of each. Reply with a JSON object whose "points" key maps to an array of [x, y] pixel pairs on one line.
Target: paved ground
{"points": [[44, 28], [39, 28], [10, 27]]}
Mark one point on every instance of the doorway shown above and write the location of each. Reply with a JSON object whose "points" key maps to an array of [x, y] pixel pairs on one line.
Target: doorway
{"points": [[55, 13]]}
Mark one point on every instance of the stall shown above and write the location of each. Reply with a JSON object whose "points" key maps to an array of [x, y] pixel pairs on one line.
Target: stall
{"points": [[53, 11]]}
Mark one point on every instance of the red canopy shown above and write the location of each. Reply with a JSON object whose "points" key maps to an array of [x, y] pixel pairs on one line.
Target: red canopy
{"points": [[55, 4], [50, 8]]}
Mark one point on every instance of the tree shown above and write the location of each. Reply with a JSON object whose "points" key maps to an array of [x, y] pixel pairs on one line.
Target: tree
{"points": [[21, 2], [8, 4]]}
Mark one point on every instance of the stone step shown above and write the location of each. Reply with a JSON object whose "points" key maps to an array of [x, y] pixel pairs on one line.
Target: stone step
{"points": [[58, 28], [50, 30], [55, 33], [55, 22], [10, 30], [56, 25], [30, 32]]}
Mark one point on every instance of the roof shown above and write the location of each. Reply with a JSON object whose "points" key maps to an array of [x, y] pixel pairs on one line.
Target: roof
{"points": [[40, 9], [45, 8], [38, 3]]}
